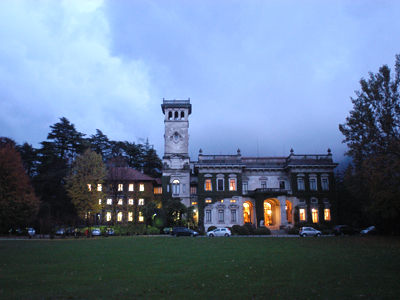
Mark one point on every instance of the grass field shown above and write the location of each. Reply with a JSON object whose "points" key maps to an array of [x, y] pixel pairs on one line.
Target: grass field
{"points": [[201, 268]]}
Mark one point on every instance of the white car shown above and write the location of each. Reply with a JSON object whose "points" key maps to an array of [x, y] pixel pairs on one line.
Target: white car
{"points": [[96, 232], [219, 232], [31, 231], [309, 231]]}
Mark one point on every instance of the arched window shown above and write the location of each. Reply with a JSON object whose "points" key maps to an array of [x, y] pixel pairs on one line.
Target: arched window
{"points": [[170, 115], [176, 115], [175, 186], [182, 115]]}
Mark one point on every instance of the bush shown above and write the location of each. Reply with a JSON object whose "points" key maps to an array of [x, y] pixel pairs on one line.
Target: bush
{"points": [[244, 230], [262, 231], [153, 231], [235, 228], [249, 227], [293, 230], [211, 228]]}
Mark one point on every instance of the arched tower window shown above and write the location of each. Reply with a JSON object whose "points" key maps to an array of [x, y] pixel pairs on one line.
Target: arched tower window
{"points": [[176, 115], [182, 115], [170, 115], [175, 186]]}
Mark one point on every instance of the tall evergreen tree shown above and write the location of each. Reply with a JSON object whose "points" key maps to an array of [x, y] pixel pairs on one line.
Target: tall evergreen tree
{"points": [[372, 134]]}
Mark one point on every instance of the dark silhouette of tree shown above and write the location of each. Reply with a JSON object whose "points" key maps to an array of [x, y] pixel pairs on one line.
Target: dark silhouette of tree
{"points": [[372, 134], [101, 144], [18, 202]]}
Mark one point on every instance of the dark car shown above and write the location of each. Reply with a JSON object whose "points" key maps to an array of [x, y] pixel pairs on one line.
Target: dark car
{"points": [[344, 230], [109, 231], [71, 231], [183, 231]]}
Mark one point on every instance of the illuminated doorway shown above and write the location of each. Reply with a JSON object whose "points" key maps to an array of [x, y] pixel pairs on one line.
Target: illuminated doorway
{"points": [[247, 209], [288, 208], [267, 213]]}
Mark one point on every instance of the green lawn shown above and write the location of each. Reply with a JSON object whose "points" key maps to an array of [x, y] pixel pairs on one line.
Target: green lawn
{"points": [[201, 268]]}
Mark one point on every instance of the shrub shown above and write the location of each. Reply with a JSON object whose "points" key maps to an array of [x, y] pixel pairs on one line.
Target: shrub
{"points": [[293, 230], [262, 231], [244, 230], [235, 228], [153, 231], [249, 227], [211, 228]]}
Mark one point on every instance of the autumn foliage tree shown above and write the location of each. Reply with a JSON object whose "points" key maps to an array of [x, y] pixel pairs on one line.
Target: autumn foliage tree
{"points": [[18, 202], [372, 134], [87, 174]]}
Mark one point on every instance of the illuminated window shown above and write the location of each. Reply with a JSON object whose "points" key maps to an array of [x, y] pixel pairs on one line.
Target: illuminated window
{"points": [[194, 203], [119, 216], [208, 200], [130, 216], [141, 218], [220, 215], [108, 216], [302, 212], [222, 201], [232, 184], [220, 184], [99, 187], [245, 187], [141, 202], [233, 215], [120, 187], [119, 201], [130, 201], [314, 215], [89, 187], [158, 190], [193, 190], [175, 186], [325, 184], [141, 187], [208, 186], [99, 201], [327, 214], [208, 215], [130, 188], [109, 201], [300, 184], [313, 184], [233, 200]]}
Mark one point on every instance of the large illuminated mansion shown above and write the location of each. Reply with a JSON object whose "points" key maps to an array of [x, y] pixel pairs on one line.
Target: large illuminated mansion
{"points": [[232, 190]]}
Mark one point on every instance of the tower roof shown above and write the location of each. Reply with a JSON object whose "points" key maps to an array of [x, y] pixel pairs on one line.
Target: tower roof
{"points": [[176, 104]]}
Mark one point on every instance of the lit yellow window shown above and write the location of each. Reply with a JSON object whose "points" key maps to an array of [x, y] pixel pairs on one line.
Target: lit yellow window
{"points": [[89, 187], [109, 201], [130, 201], [314, 215], [302, 212], [327, 214], [194, 203], [99, 187], [119, 201], [208, 200], [130, 216], [141, 202], [99, 201], [158, 190], [120, 187], [208, 185], [141, 187], [232, 184], [119, 216], [233, 201], [108, 216], [141, 219], [131, 187]]}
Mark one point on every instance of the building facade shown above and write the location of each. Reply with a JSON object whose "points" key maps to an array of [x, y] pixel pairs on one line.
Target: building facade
{"points": [[229, 190]]}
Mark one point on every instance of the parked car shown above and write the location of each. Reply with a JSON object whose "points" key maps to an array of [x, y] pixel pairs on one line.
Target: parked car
{"points": [[60, 231], [344, 229], [183, 231], [110, 231], [96, 232], [31, 231], [309, 231], [167, 230], [219, 232], [369, 230]]}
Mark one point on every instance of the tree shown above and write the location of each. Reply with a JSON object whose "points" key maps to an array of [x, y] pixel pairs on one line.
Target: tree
{"points": [[152, 164], [372, 134], [101, 144], [148, 211], [84, 184], [175, 210], [18, 202]]}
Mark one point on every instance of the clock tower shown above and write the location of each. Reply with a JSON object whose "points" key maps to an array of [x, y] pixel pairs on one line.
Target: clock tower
{"points": [[176, 161]]}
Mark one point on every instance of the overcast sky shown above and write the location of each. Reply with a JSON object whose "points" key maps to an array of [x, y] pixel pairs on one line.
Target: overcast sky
{"points": [[262, 76]]}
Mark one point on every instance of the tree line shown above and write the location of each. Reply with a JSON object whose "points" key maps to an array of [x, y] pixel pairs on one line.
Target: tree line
{"points": [[43, 173]]}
